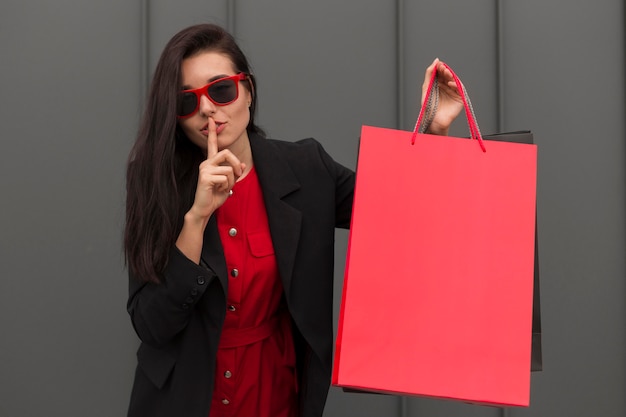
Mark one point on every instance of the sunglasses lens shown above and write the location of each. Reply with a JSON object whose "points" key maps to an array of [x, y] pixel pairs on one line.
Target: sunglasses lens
{"points": [[223, 92], [187, 104]]}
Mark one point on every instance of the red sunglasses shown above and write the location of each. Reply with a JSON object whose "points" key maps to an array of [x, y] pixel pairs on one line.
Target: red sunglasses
{"points": [[221, 92]]}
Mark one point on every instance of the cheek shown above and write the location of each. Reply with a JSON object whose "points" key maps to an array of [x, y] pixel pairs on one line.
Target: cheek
{"points": [[245, 115], [242, 111]]}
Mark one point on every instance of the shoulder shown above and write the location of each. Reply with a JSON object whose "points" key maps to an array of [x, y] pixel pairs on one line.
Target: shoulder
{"points": [[305, 157], [295, 147], [304, 151]]}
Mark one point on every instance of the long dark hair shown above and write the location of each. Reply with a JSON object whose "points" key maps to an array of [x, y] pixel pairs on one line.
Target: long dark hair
{"points": [[162, 169]]}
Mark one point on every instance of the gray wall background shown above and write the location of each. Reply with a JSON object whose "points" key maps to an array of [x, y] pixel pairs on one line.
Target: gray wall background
{"points": [[72, 81]]}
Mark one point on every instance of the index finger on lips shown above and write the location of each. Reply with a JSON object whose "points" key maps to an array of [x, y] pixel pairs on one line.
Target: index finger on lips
{"points": [[211, 140]]}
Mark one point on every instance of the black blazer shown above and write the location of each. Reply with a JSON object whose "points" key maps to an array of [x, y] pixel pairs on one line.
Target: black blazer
{"points": [[179, 322]]}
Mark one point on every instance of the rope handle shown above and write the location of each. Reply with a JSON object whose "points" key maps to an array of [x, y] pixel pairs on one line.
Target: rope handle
{"points": [[430, 104]]}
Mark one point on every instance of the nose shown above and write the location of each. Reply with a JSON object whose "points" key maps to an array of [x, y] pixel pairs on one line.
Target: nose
{"points": [[206, 106]]}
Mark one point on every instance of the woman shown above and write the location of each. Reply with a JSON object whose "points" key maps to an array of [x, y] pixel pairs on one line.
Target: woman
{"points": [[229, 243]]}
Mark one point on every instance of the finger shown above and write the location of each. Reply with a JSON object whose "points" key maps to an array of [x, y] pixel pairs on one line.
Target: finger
{"points": [[446, 78], [218, 178], [427, 76], [227, 177], [429, 72], [227, 158], [443, 73], [212, 139], [454, 87], [432, 66], [223, 182]]}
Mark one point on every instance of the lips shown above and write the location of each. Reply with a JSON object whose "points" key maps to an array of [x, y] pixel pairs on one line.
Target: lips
{"points": [[219, 126]]}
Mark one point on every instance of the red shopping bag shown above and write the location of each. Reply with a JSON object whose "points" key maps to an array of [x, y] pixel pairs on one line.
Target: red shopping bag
{"points": [[438, 289]]}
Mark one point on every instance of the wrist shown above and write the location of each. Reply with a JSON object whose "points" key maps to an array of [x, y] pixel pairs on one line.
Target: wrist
{"points": [[191, 236], [195, 220]]}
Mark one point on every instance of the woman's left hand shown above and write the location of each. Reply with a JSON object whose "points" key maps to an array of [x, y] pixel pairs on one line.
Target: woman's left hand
{"points": [[450, 101]]}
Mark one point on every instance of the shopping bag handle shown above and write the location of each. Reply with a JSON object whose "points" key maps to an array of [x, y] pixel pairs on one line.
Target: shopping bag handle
{"points": [[429, 108]]}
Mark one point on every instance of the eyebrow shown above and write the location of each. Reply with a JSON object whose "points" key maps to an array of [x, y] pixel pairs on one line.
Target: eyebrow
{"points": [[210, 80]]}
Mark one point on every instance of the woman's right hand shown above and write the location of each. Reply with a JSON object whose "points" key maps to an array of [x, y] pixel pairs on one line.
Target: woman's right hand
{"points": [[217, 176]]}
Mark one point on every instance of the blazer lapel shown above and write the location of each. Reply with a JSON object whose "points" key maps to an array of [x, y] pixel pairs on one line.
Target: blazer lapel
{"points": [[277, 181]]}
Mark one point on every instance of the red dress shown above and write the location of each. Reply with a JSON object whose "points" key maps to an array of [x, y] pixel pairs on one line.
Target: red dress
{"points": [[255, 372]]}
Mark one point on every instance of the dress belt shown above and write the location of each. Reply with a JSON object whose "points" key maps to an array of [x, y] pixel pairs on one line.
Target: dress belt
{"points": [[231, 338]]}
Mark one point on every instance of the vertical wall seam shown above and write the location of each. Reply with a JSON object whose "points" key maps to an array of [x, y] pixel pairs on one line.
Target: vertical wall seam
{"points": [[623, 49], [144, 45], [500, 65], [399, 64], [230, 17]]}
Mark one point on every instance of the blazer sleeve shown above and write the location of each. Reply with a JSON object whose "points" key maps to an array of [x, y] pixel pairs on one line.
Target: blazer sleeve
{"points": [[344, 188], [159, 312]]}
